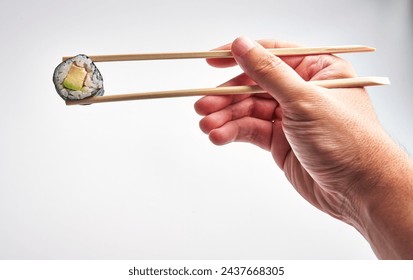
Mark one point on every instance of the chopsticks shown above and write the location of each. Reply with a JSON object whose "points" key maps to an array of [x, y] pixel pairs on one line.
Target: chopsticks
{"points": [[336, 83], [228, 54]]}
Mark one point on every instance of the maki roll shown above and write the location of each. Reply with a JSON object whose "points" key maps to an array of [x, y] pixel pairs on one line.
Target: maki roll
{"points": [[78, 78]]}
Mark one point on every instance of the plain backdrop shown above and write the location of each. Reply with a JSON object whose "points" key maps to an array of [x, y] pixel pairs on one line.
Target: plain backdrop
{"points": [[139, 180]]}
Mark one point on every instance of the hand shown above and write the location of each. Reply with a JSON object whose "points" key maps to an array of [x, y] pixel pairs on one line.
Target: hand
{"points": [[328, 142], [309, 130]]}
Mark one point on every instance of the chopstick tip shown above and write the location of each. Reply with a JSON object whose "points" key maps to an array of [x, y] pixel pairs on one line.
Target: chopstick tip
{"points": [[364, 48], [76, 102], [385, 81]]}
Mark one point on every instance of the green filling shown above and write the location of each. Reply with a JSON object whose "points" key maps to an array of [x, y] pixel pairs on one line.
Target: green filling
{"points": [[75, 78]]}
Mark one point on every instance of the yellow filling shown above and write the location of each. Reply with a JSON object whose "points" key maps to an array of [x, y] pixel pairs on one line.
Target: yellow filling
{"points": [[75, 78]]}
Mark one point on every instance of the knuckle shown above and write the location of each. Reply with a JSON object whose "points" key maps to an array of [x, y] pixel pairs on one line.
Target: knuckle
{"points": [[266, 64], [240, 109], [249, 106], [253, 136]]}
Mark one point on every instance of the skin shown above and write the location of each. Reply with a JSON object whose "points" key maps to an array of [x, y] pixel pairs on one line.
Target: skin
{"points": [[328, 142]]}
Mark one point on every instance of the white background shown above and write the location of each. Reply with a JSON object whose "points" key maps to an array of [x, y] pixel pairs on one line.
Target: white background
{"points": [[139, 180]]}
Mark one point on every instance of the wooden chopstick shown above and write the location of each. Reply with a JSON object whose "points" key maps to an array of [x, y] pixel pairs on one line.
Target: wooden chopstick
{"points": [[337, 83], [227, 53]]}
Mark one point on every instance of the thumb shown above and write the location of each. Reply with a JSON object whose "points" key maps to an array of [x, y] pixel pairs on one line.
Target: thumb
{"points": [[269, 71]]}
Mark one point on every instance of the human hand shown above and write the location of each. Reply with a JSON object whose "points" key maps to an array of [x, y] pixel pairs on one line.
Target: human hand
{"points": [[310, 131], [328, 142]]}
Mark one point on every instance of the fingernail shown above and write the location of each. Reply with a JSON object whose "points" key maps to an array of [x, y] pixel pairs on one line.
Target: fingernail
{"points": [[242, 45]]}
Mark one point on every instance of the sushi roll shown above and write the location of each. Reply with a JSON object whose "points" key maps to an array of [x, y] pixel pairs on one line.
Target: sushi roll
{"points": [[78, 78]]}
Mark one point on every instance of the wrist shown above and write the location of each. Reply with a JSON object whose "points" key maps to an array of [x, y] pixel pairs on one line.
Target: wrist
{"points": [[380, 204]]}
